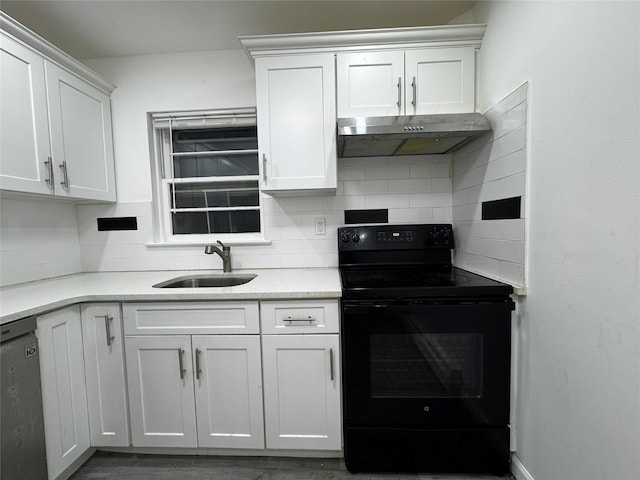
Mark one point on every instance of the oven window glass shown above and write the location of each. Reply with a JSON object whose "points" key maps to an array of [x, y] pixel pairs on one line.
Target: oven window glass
{"points": [[426, 365]]}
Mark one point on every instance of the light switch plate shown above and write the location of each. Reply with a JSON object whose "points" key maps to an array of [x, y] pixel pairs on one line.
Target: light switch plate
{"points": [[321, 226]]}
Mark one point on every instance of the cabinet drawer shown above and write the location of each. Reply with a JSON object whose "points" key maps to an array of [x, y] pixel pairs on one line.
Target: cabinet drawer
{"points": [[305, 316], [191, 318]]}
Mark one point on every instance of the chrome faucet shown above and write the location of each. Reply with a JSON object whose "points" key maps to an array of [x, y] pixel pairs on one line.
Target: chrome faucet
{"points": [[225, 254]]}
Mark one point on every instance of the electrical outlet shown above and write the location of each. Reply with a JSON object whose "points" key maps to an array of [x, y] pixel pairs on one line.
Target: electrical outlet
{"points": [[321, 226]]}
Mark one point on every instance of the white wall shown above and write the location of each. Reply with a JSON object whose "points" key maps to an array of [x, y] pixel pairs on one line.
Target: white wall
{"points": [[413, 189], [39, 239], [153, 83], [579, 372]]}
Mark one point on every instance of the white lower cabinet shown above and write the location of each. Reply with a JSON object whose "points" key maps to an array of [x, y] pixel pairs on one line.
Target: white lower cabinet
{"points": [[228, 390], [302, 391], [103, 344], [161, 394], [64, 396], [194, 390], [190, 388], [301, 370]]}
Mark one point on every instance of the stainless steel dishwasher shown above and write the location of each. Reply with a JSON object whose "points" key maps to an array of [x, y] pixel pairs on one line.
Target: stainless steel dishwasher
{"points": [[22, 427]]}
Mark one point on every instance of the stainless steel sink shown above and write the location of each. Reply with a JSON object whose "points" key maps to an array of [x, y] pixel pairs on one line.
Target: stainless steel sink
{"points": [[207, 280]]}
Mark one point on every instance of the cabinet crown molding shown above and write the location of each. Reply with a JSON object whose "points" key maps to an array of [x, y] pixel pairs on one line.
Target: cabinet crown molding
{"points": [[52, 53], [358, 40]]}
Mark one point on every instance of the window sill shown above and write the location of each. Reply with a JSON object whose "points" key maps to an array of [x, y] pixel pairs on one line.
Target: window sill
{"points": [[230, 243]]}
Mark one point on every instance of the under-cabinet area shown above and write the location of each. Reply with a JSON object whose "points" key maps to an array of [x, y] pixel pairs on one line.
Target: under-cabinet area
{"points": [[259, 375]]}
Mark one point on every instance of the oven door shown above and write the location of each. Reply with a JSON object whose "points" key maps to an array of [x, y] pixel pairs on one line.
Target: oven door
{"points": [[426, 363]]}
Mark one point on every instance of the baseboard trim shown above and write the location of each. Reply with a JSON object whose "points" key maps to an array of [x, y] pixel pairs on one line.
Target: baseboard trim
{"points": [[251, 452], [518, 470]]}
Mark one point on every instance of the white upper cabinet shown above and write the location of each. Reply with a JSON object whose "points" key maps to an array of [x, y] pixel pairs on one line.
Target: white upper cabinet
{"points": [[296, 124], [411, 82], [24, 126], [55, 121], [81, 137], [442, 80], [370, 84]]}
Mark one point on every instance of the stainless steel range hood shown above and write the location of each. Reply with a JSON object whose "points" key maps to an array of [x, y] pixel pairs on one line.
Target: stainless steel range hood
{"points": [[409, 135]]}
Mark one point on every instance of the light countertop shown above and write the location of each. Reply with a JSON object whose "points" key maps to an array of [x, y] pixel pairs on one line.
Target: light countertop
{"points": [[38, 297]]}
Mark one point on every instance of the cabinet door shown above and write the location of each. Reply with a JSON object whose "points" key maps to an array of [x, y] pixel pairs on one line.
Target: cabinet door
{"points": [[161, 399], [295, 98], [24, 127], [370, 84], [302, 391], [81, 137], [228, 389], [440, 80], [64, 396], [104, 368]]}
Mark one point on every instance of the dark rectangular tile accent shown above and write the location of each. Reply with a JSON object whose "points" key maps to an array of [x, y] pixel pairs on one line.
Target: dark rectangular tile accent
{"points": [[366, 216], [117, 223], [501, 209]]}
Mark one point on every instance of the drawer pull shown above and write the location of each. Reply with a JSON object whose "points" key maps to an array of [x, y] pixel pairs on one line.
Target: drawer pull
{"points": [[331, 363], [107, 326], [181, 363], [307, 318], [198, 369]]}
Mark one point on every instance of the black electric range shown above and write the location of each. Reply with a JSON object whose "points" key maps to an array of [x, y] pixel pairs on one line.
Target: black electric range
{"points": [[425, 354]]}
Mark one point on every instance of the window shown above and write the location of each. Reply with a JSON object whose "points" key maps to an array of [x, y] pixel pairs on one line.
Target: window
{"points": [[207, 177]]}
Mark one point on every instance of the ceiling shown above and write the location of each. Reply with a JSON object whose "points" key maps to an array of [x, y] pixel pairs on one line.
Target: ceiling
{"points": [[113, 28]]}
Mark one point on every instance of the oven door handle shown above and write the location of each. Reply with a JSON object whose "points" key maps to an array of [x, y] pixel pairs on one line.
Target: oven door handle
{"points": [[359, 307]]}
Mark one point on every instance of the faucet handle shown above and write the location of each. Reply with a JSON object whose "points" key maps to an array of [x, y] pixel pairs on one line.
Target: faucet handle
{"points": [[222, 245]]}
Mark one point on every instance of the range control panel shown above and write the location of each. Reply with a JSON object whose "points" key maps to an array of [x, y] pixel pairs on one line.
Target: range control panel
{"points": [[395, 237]]}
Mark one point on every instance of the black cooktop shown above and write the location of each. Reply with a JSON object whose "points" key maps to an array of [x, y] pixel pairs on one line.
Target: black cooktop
{"points": [[395, 282], [406, 261]]}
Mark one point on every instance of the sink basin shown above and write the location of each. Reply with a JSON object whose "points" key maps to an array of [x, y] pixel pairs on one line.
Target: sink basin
{"points": [[210, 280]]}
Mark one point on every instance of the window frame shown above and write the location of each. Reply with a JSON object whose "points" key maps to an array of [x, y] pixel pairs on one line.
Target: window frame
{"points": [[162, 125]]}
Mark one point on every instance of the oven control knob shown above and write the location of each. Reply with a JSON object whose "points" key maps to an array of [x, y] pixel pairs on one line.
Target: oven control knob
{"points": [[355, 238], [345, 238]]}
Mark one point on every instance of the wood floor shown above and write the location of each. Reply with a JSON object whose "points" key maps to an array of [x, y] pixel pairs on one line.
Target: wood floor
{"points": [[118, 466]]}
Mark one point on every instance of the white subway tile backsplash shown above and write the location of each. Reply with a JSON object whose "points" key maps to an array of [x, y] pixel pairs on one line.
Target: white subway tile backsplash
{"points": [[414, 185], [387, 172], [413, 215], [39, 239], [493, 170], [302, 261], [386, 201], [430, 170], [442, 214], [441, 185], [365, 187], [415, 189], [430, 200]]}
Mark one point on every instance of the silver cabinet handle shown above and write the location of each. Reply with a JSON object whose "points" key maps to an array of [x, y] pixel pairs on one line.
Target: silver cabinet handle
{"points": [[331, 363], [107, 327], [399, 92], [65, 176], [181, 363], [264, 167], [198, 369], [414, 86], [49, 165], [308, 318]]}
